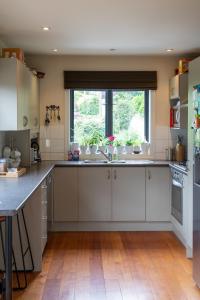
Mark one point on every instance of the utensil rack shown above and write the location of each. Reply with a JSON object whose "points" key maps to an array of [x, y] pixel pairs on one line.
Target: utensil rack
{"points": [[52, 113]]}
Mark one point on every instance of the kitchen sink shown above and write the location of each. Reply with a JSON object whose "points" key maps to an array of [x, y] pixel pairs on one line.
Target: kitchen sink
{"points": [[88, 161], [118, 162]]}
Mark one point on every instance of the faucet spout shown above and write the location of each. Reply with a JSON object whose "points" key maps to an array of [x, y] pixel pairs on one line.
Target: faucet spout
{"points": [[108, 157]]}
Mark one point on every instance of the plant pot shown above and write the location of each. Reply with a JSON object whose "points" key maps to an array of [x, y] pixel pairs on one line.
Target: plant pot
{"points": [[145, 147], [129, 149], [136, 149], [83, 149], [120, 149], [110, 149], [93, 149]]}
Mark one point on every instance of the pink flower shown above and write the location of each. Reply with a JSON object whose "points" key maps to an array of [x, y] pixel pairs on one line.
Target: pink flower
{"points": [[111, 138]]}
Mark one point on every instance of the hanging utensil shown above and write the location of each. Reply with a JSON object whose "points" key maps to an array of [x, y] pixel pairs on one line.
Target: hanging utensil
{"points": [[58, 116]]}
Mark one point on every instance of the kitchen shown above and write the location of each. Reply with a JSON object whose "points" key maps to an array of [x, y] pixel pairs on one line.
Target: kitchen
{"points": [[114, 206]]}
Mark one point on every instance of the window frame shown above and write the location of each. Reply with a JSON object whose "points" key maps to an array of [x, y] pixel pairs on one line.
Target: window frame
{"points": [[109, 110]]}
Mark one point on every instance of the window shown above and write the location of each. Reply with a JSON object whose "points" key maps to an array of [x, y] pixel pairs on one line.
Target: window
{"points": [[122, 113]]}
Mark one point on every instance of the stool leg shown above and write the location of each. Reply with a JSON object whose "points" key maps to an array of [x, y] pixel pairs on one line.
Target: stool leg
{"points": [[28, 241], [22, 254], [3, 247]]}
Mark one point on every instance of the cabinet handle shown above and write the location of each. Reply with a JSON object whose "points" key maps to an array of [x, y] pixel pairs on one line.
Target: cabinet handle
{"points": [[44, 186], [25, 121], [108, 175], [115, 174], [149, 174]]}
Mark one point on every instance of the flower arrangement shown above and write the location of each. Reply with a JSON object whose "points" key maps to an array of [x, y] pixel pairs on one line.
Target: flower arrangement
{"points": [[110, 140]]}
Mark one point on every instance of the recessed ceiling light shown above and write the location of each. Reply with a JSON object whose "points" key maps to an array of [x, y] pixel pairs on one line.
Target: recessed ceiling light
{"points": [[55, 50], [45, 28], [170, 50], [112, 49]]}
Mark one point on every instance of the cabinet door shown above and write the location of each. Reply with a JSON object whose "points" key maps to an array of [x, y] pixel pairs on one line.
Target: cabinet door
{"points": [[128, 194], [94, 194], [174, 87], [34, 104], [23, 96], [157, 194], [65, 194]]}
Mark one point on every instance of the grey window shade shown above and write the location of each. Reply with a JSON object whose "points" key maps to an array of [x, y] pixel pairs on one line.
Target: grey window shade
{"points": [[110, 80]]}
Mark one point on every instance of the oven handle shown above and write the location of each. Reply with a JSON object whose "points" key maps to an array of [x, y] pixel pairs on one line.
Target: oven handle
{"points": [[175, 183]]}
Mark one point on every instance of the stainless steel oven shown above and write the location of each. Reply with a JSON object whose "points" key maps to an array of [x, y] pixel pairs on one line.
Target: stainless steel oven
{"points": [[177, 195]]}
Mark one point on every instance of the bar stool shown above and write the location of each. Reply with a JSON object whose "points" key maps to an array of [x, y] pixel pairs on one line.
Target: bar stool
{"points": [[23, 252]]}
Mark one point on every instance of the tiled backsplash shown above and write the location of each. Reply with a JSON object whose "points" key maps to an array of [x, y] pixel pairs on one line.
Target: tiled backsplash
{"points": [[52, 142]]}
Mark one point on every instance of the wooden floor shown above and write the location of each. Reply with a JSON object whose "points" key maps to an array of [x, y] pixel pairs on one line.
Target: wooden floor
{"points": [[113, 266]]}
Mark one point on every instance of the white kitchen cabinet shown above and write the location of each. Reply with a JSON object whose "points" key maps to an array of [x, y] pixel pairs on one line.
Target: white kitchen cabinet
{"points": [[178, 87], [157, 194], [94, 193], [65, 190], [15, 83], [128, 194], [34, 104]]}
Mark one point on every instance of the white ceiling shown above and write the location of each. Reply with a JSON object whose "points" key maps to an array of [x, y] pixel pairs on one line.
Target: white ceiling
{"points": [[95, 26]]}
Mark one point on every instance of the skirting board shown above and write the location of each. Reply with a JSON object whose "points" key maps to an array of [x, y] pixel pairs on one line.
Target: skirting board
{"points": [[110, 226]]}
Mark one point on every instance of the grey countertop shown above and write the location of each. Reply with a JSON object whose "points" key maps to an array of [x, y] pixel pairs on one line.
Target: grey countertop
{"points": [[14, 192]]}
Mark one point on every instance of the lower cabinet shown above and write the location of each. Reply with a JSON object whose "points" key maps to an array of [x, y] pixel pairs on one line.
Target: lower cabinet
{"points": [[94, 194], [128, 194], [65, 192], [157, 194], [104, 193]]}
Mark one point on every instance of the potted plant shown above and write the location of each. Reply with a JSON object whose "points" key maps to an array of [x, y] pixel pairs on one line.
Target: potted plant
{"points": [[102, 144], [129, 146], [119, 146], [83, 144], [93, 141]]}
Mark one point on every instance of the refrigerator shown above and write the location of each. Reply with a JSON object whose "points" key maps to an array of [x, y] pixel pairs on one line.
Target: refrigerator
{"points": [[194, 161]]}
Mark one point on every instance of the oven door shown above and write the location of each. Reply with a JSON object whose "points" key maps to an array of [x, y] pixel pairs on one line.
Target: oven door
{"points": [[177, 201]]}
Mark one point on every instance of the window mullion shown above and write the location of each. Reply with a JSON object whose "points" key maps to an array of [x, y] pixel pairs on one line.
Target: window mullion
{"points": [[71, 115], [146, 114], [109, 113]]}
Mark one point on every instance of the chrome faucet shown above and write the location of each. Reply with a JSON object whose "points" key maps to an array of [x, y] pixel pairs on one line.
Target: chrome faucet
{"points": [[108, 157]]}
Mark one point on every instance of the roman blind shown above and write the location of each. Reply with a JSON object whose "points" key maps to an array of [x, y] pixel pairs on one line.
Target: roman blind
{"points": [[110, 80]]}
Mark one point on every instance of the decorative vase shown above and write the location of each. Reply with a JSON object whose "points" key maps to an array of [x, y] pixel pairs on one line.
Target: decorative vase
{"points": [[120, 149], [93, 149], [110, 149], [83, 149], [129, 149]]}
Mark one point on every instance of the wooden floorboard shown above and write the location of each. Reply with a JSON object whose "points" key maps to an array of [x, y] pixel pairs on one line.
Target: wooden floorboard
{"points": [[112, 266]]}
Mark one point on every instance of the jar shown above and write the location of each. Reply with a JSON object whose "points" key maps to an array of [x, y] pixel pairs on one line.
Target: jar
{"points": [[3, 165]]}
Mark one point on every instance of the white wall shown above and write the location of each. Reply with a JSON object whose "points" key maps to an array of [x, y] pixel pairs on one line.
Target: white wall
{"points": [[55, 138]]}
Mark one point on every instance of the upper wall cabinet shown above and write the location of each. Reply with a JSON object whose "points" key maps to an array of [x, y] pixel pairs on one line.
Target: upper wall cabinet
{"points": [[16, 89], [178, 88]]}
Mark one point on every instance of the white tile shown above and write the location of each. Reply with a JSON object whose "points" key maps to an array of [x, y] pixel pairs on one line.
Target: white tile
{"points": [[45, 145], [160, 155], [162, 132], [57, 145], [57, 156], [161, 145], [45, 132], [57, 132], [45, 156]]}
